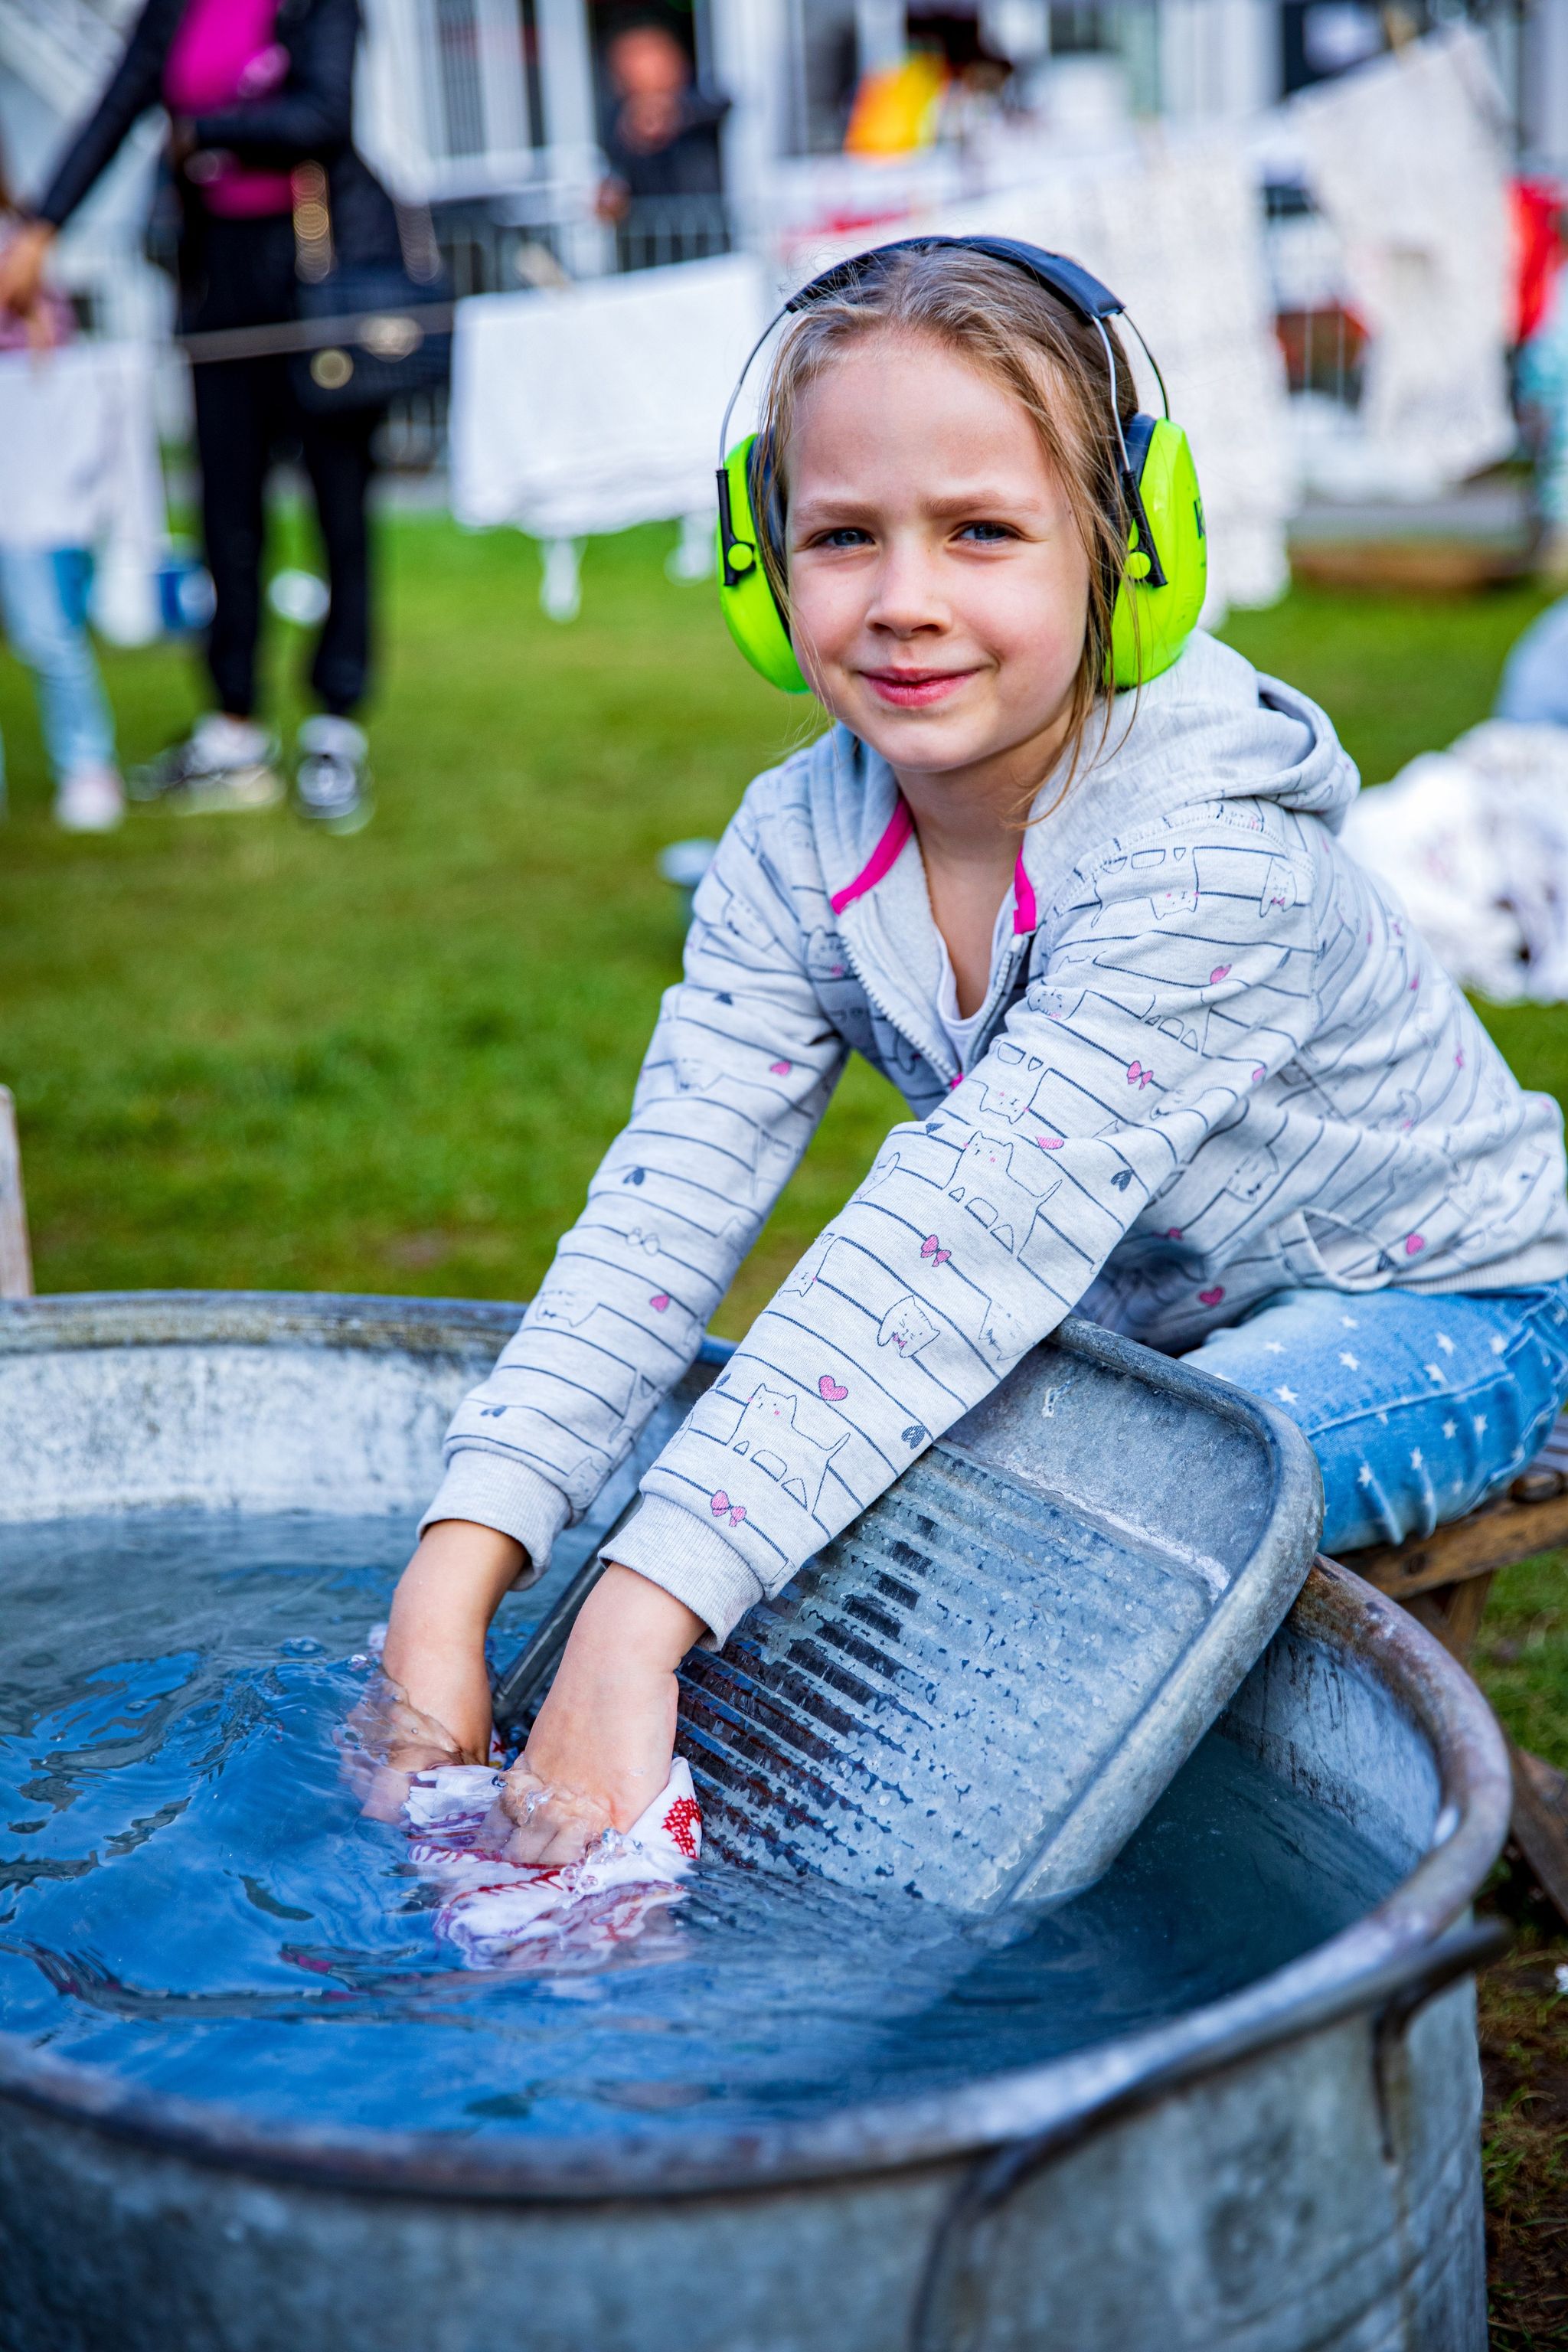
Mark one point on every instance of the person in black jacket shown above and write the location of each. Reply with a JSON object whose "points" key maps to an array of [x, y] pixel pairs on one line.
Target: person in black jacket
{"points": [[261, 102], [662, 137]]}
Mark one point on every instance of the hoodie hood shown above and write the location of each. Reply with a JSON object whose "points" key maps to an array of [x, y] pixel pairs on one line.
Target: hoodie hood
{"points": [[1212, 727]]}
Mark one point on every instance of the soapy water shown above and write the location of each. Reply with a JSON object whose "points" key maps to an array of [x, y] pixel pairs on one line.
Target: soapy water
{"points": [[190, 1898]]}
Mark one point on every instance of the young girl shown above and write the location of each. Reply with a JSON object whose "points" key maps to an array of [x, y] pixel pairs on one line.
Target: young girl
{"points": [[1172, 1060]]}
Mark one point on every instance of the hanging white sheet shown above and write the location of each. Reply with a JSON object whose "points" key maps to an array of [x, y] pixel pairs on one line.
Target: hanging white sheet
{"points": [[589, 407], [1406, 158]]}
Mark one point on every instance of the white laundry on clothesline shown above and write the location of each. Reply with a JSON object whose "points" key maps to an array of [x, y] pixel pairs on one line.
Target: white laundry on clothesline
{"points": [[589, 407], [494, 1910], [80, 468], [1407, 159], [1475, 841]]}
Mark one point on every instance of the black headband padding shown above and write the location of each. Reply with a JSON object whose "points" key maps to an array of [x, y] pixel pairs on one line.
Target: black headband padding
{"points": [[1059, 275]]}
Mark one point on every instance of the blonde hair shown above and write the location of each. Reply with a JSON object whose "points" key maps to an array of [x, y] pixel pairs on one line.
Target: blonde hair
{"points": [[1009, 327]]}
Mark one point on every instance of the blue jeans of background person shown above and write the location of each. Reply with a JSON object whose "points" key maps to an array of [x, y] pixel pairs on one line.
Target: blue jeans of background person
{"points": [[39, 606], [1417, 1407]]}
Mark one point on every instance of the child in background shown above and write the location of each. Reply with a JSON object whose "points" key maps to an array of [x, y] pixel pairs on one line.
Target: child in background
{"points": [[41, 596], [1172, 1059]]}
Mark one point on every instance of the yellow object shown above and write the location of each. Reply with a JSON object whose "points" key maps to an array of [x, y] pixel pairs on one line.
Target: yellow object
{"points": [[895, 111]]}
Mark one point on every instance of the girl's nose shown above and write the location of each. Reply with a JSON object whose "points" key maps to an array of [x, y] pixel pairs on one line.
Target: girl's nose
{"points": [[906, 597]]}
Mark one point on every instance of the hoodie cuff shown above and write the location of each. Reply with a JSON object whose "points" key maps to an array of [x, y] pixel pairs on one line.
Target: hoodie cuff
{"points": [[498, 1492], [692, 1562]]}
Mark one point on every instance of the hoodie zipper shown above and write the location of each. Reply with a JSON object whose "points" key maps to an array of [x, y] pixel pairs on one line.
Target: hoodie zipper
{"points": [[1004, 993], [942, 1063]]}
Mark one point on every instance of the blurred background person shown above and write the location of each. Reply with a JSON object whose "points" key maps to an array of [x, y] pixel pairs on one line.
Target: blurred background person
{"points": [[43, 595], [661, 138], [256, 91]]}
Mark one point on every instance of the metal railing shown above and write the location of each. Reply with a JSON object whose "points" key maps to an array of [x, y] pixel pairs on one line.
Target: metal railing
{"points": [[655, 230], [62, 50]]}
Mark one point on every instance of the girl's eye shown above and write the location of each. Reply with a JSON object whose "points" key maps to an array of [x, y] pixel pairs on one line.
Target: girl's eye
{"points": [[847, 534], [987, 534]]}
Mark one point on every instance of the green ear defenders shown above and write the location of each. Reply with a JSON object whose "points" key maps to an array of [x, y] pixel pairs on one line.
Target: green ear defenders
{"points": [[1160, 593]]}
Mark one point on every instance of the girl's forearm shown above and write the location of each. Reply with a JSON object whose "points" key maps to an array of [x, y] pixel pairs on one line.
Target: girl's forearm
{"points": [[599, 1753], [629, 1621], [440, 1614]]}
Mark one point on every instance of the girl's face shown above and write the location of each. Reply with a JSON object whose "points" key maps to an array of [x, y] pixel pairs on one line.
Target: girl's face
{"points": [[938, 584]]}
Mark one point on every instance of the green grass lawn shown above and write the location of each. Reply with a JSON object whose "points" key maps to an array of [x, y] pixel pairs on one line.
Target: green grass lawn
{"points": [[249, 1056]]}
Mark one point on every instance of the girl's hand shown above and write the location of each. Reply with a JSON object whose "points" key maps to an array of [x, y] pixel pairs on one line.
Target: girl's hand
{"points": [[386, 1741], [600, 1751]]}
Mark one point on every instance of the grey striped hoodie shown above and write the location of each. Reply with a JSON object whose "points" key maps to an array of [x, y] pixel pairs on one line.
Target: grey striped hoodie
{"points": [[1217, 1062]]}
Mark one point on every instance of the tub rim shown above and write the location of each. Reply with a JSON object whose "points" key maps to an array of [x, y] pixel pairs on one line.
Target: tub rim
{"points": [[1402, 1948]]}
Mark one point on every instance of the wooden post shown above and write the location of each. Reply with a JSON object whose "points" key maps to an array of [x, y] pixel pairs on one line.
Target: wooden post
{"points": [[16, 1258], [1454, 1613], [1540, 1823]]}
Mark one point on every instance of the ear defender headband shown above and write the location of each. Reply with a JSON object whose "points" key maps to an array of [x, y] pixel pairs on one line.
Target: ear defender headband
{"points": [[1161, 591]]}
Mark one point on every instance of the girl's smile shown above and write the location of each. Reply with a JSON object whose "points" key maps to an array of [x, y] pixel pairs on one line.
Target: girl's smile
{"points": [[915, 689]]}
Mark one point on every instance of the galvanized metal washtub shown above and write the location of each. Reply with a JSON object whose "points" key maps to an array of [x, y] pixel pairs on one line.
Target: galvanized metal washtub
{"points": [[1295, 2166]]}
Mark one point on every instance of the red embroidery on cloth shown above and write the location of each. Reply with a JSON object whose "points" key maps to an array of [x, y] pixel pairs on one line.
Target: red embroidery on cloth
{"points": [[681, 1824]]}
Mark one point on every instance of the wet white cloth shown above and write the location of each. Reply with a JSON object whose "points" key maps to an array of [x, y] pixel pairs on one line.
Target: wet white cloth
{"points": [[78, 467], [494, 1909], [1475, 841], [589, 407]]}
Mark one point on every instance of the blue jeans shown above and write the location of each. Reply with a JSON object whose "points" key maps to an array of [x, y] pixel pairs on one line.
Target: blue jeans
{"points": [[1418, 1408], [49, 638]]}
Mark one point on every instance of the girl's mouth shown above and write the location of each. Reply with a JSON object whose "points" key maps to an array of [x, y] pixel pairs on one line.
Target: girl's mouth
{"points": [[915, 689]]}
